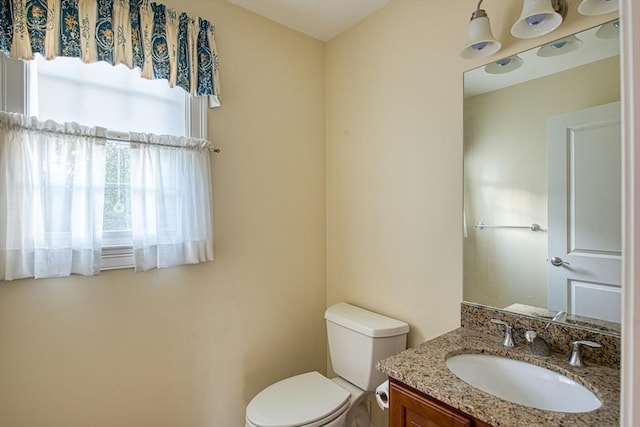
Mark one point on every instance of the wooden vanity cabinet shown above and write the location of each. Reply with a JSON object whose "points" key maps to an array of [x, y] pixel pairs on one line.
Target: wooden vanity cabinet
{"points": [[411, 408]]}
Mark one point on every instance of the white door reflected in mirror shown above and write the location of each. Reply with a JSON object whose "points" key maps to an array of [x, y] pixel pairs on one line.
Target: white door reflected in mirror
{"points": [[584, 212]]}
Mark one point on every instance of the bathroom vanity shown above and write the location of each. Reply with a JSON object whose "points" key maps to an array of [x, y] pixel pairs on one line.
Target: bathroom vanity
{"points": [[425, 392], [411, 408]]}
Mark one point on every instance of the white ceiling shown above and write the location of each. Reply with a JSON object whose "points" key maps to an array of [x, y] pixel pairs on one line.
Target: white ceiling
{"points": [[320, 19]]}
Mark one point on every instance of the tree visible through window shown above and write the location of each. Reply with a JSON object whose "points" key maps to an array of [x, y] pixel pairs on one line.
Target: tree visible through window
{"points": [[117, 200]]}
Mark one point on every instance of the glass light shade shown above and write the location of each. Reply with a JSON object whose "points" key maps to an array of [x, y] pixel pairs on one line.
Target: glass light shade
{"points": [[560, 47], [504, 65], [597, 7], [610, 30], [480, 40], [537, 19]]}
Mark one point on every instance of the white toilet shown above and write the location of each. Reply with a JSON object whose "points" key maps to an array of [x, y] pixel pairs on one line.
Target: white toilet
{"points": [[358, 339]]}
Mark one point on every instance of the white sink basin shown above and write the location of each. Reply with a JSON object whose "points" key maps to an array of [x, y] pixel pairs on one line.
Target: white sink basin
{"points": [[523, 383]]}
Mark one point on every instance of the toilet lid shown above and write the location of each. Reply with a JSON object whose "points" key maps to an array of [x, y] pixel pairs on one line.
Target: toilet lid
{"points": [[297, 401]]}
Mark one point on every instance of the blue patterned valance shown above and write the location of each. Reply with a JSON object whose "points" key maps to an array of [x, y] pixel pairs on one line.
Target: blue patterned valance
{"points": [[137, 33]]}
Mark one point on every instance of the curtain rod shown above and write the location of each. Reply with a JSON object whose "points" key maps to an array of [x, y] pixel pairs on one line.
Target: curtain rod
{"points": [[212, 149], [9, 121], [125, 137]]}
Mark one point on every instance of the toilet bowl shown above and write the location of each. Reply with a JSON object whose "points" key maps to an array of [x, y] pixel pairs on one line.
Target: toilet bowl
{"points": [[358, 339], [308, 400]]}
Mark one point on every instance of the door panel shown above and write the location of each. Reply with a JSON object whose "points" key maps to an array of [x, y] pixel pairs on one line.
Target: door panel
{"points": [[595, 300], [585, 208]]}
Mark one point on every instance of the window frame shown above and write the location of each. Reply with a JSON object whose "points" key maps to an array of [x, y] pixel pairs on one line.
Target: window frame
{"points": [[15, 95]]}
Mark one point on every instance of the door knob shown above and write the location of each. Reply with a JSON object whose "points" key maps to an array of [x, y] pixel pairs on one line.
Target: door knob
{"points": [[557, 261]]}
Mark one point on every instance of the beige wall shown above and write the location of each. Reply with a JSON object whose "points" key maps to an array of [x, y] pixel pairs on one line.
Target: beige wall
{"points": [[190, 346], [506, 178]]}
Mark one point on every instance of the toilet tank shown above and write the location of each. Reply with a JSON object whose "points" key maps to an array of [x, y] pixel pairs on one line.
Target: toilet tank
{"points": [[358, 339]]}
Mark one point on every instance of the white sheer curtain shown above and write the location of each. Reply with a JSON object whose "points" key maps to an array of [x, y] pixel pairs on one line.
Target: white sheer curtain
{"points": [[51, 198], [171, 201]]}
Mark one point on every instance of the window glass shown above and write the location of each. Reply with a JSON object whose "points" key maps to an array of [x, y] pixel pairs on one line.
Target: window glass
{"points": [[117, 201], [116, 98], [99, 94]]}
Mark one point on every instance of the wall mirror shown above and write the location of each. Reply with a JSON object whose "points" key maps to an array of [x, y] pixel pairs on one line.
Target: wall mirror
{"points": [[542, 175]]}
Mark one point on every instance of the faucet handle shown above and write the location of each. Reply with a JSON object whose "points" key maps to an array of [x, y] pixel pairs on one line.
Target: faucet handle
{"points": [[575, 359], [500, 322], [592, 344], [507, 341]]}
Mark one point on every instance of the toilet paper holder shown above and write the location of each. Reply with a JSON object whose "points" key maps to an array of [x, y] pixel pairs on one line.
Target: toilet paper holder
{"points": [[382, 395]]}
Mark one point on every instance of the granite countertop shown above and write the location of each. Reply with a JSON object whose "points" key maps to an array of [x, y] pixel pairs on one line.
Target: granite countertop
{"points": [[424, 369]]}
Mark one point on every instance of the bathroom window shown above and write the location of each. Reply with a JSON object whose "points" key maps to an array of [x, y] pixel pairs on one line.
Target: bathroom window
{"points": [[112, 97]]}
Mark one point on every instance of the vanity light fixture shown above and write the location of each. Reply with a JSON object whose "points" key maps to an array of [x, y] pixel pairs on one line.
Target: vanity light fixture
{"points": [[597, 7], [610, 30], [480, 39], [504, 65], [539, 17], [560, 47]]}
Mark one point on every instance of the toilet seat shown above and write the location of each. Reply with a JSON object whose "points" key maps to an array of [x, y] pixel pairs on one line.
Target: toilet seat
{"points": [[307, 400]]}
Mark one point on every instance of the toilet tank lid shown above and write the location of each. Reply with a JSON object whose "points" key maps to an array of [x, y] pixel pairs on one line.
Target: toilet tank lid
{"points": [[364, 321]]}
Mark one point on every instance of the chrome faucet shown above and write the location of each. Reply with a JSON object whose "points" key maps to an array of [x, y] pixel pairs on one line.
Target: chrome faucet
{"points": [[559, 315], [507, 341], [575, 359], [539, 346]]}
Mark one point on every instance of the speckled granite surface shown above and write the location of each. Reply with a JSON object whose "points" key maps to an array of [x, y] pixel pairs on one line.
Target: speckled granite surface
{"points": [[424, 369], [558, 335]]}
